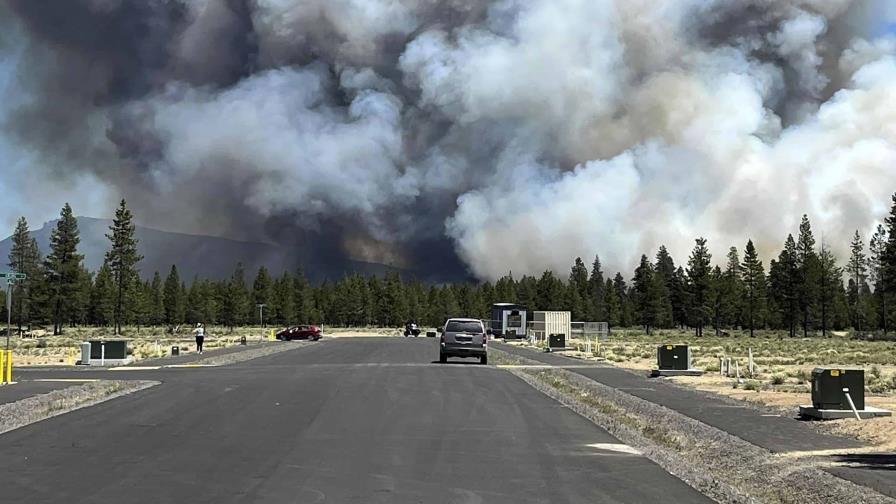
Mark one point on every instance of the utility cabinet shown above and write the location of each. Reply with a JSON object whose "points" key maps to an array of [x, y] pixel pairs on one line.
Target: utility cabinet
{"points": [[673, 357], [828, 386]]}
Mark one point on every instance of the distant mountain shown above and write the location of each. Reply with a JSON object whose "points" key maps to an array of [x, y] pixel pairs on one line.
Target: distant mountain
{"points": [[195, 255]]}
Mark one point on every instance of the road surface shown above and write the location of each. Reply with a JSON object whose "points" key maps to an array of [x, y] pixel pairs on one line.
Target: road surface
{"points": [[368, 420]]}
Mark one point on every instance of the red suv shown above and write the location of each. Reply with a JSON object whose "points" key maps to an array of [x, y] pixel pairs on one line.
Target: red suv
{"points": [[308, 332]]}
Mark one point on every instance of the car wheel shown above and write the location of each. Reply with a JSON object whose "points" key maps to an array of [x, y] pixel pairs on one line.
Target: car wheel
{"points": [[286, 337], [483, 359], [443, 358]]}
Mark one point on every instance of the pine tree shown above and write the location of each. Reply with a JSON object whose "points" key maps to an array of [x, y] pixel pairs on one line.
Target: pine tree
{"points": [[681, 298], [732, 290], [527, 294], [830, 281], [304, 299], [24, 257], [644, 294], [625, 305], [664, 279], [156, 301], [171, 298], [596, 291], [807, 263], [857, 270], [263, 292], [505, 289], [889, 258], [877, 273], [122, 259], [63, 268], [716, 295], [579, 294], [285, 300], [102, 297], [550, 292], [784, 279], [699, 279], [754, 286], [612, 304], [80, 300], [194, 303]]}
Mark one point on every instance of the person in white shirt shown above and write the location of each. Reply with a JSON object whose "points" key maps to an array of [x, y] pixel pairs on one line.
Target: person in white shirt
{"points": [[200, 336]]}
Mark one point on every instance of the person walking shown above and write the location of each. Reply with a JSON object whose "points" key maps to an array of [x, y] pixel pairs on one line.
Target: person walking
{"points": [[200, 336]]}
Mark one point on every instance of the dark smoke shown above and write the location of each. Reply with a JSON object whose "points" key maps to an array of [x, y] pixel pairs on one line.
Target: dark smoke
{"points": [[460, 136]]}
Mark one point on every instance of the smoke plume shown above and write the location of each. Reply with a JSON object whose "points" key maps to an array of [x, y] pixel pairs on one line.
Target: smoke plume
{"points": [[466, 135]]}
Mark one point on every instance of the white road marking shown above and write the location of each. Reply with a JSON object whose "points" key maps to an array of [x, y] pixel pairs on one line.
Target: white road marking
{"points": [[616, 447], [135, 368], [190, 365]]}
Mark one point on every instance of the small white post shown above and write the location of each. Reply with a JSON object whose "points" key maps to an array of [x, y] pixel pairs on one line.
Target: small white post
{"points": [[737, 371], [851, 404], [721, 368], [102, 354], [750, 352]]}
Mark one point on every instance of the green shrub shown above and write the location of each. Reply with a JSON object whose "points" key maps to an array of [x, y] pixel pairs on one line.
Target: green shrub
{"points": [[753, 385], [874, 371], [778, 379]]}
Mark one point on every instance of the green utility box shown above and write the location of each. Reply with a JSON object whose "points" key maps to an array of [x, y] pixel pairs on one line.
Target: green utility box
{"points": [[829, 386], [673, 357], [557, 341], [110, 350]]}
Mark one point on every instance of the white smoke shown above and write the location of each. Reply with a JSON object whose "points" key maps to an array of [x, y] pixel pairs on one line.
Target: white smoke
{"points": [[527, 131]]}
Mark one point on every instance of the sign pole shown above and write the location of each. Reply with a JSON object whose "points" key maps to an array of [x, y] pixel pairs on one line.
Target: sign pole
{"points": [[8, 311]]}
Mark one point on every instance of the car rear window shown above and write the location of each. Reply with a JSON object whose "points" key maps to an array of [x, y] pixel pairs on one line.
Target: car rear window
{"points": [[459, 326]]}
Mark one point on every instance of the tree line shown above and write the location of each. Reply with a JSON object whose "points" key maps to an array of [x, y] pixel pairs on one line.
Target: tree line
{"points": [[804, 290]]}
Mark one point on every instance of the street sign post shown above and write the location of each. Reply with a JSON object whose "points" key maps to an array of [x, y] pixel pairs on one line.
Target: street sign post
{"points": [[11, 279]]}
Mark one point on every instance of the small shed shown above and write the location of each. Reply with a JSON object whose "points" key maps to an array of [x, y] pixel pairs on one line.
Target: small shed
{"points": [[509, 320], [545, 323]]}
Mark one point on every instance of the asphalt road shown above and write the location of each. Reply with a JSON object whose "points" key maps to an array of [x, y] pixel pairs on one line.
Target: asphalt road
{"points": [[350, 420]]}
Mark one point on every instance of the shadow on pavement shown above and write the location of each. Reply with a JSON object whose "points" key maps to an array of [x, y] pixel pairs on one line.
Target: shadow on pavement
{"points": [[876, 461]]}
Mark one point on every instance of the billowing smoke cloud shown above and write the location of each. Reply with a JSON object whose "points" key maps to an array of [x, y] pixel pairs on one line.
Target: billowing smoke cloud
{"points": [[468, 134]]}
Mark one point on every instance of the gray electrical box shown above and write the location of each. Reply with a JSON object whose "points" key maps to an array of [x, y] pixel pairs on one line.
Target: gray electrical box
{"points": [[85, 353], [828, 386], [677, 357]]}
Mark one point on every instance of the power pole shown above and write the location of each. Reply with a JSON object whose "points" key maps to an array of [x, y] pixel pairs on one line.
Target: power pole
{"points": [[261, 313]]}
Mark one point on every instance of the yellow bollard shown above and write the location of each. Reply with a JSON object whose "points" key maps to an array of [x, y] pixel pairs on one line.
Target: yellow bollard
{"points": [[9, 366], [2, 366], [273, 335]]}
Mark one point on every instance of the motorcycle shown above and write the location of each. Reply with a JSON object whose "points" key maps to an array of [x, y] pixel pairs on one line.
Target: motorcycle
{"points": [[411, 330]]}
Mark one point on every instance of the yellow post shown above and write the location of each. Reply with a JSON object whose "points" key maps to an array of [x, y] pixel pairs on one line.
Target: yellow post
{"points": [[273, 336], [9, 366], [2, 366]]}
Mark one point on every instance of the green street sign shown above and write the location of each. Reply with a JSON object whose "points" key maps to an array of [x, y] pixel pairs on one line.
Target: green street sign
{"points": [[13, 276], [21, 276]]}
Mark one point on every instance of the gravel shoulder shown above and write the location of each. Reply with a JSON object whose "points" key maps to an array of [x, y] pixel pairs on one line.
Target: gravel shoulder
{"points": [[719, 465]]}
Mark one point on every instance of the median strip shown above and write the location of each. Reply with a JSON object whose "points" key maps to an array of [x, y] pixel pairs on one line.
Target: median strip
{"points": [[41, 407]]}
